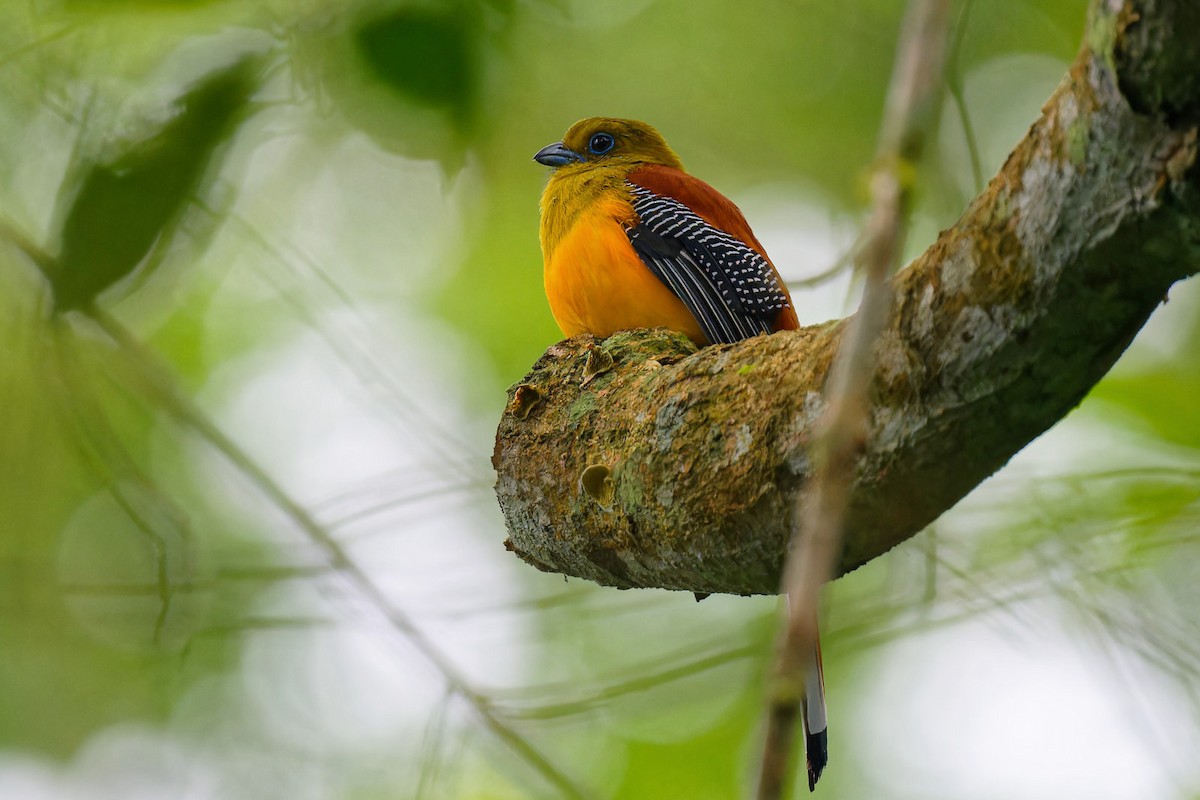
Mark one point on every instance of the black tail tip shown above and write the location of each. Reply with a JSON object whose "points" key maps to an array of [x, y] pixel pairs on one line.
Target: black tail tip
{"points": [[817, 749]]}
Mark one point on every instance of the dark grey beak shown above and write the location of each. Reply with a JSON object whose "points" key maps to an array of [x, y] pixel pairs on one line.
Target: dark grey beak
{"points": [[556, 155]]}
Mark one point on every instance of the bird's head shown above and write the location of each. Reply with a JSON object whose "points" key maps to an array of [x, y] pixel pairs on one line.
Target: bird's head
{"points": [[607, 141]]}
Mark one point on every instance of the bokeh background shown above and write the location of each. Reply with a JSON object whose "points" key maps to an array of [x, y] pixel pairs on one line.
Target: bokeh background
{"points": [[266, 270]]}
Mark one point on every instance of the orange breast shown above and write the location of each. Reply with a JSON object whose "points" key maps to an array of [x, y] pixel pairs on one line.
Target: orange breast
{"points": [[597, 284]]}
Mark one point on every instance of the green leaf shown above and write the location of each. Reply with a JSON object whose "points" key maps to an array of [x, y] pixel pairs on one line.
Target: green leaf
{"points": [[123, 208]]}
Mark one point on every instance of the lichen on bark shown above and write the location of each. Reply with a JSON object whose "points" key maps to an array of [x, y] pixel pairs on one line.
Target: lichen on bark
{"points": [[997, 331]]}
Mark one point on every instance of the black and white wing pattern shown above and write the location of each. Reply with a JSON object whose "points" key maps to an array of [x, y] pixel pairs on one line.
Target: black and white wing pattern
{"points": [[729, 287]]}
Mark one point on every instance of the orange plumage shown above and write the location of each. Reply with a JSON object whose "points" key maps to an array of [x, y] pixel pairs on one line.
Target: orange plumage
{"points": [[597, 284], [607, 270]]}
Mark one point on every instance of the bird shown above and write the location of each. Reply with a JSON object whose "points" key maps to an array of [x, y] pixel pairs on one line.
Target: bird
{"points": [[631, 240]]}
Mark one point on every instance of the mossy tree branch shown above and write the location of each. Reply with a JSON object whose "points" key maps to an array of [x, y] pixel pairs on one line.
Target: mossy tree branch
{"points": [[678, 468]]}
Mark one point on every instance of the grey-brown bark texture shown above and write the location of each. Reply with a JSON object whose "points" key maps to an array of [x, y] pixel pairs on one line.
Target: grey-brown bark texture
{"points": [[677, 468]]}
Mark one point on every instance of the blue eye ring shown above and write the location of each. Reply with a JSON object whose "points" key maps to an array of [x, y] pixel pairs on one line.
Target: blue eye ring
{"points": [[601, 143]]}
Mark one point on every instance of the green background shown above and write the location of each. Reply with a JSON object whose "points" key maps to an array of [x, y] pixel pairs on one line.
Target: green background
{"points": [[303, 236]]}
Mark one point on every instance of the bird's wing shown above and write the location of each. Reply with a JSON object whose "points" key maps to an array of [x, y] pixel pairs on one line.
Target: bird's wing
{"points": [[696, 242]]}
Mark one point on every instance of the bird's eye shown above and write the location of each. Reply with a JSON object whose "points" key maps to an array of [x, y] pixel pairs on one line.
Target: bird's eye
{"points": [[601, 143]]}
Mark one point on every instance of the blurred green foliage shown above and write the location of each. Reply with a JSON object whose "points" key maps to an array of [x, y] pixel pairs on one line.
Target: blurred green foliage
{"points": [[400, 47], [335, 290], [123, 208]]}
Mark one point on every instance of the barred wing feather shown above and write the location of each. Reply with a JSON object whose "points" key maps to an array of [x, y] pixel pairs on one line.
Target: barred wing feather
{"points": [[729, 288]]}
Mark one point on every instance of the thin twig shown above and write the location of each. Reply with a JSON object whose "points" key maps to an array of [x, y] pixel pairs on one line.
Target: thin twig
{"points": [[11, 232], [954, 84], [840, 265], [160, 385], [647, 678], [816, 539]]}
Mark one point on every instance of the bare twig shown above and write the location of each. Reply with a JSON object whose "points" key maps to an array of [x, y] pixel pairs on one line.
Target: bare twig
{"points": [[843, 262], [954, 85], [159, 384], [912, 98]]}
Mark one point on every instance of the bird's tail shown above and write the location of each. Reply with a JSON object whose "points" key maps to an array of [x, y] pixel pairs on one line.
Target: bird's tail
{"points": [[816, 727]]}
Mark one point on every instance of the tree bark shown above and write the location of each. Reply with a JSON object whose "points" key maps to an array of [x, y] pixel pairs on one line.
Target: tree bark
{"points": [[638, 461]]}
